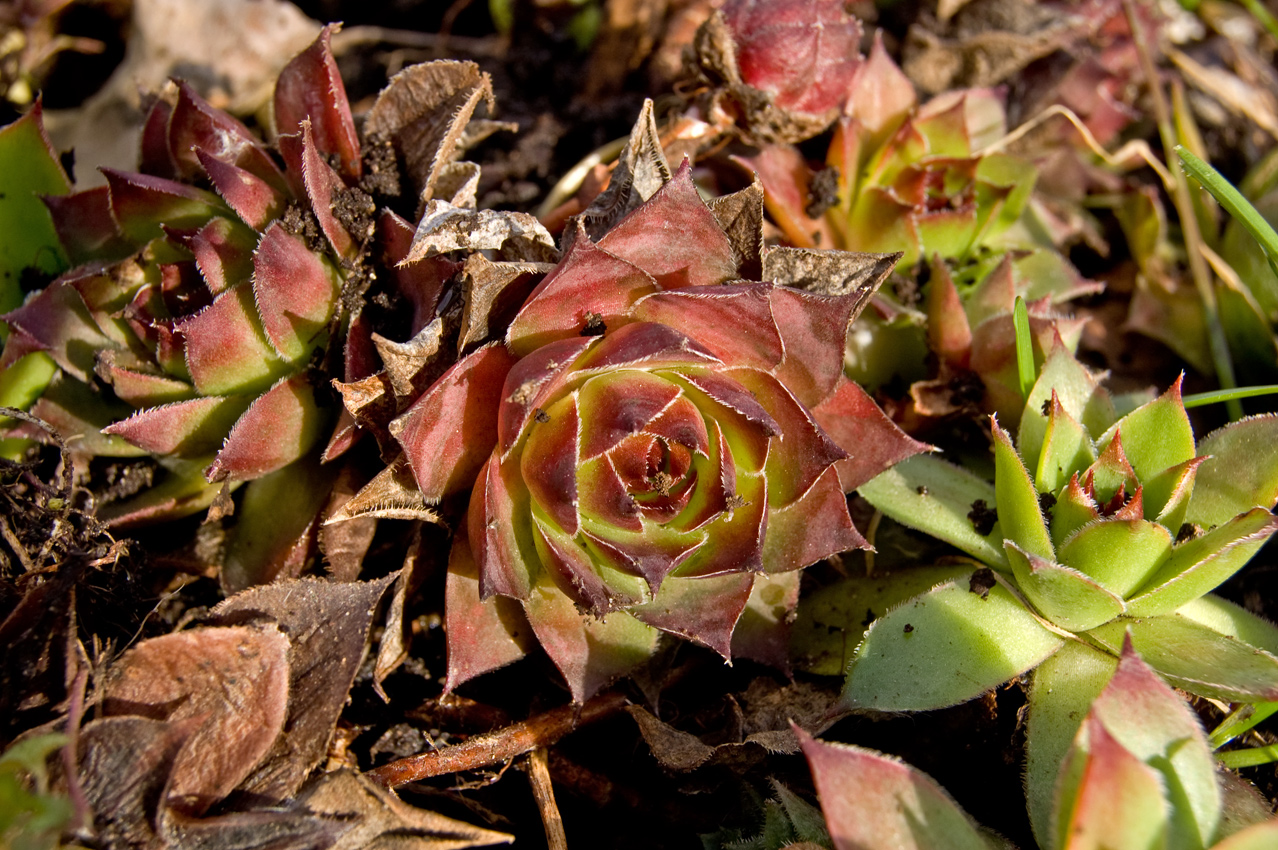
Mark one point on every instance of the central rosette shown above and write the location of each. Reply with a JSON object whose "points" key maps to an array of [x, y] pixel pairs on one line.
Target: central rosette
{"points": [[635, 456]]}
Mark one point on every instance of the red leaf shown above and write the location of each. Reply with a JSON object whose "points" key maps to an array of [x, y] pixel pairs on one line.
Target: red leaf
{"points": [[253, 199], [279, 426], [802, 52], [810, 529], [483, 634], [141, 203], [674, 237], [548, 463], [197, 128], [311, 87], [532, 382], [226, 351], [563, 303], [498, 522], [85, 225], [873, 441], [702, 609], [295, 292], [322, 184], [449, 432], [188, 428]]}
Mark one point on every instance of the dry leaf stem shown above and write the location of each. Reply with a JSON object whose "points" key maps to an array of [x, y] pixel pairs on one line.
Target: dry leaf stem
{"points": [[501, 745]]}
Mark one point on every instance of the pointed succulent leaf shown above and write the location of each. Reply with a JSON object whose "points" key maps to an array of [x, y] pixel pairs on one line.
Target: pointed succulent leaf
{"points": [[1156, 435], [192, 427], [182, 491], [30, 170], [483, 634], [944, 647], [1258, 836], [1195, 658], [575, 281], [1067, 449], [196, 132], [939, 498], [1119, 554], [1167, 494], [295, 291], [141, 203], [1241, 474], [948, 332], [226, 350], [502, 540], [256, 201], [223, 251], [310, 87], [1221, 615], [57, 320], [1078, 392], [85, 227], [589, 652], [1017, 499], [1150, 721], [1111, 477], [674, 237], [280, 426], [704, 609], [790, 543], [872, 440], [881, 96], [873, 800], [448, 433], [323, 185], [1065, 595], [1061, 692], [1201, 563], [1108, 797]]}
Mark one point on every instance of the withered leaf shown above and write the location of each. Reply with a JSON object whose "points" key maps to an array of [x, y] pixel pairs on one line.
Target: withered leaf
{"points": [[270, 829], [344, 544], [379, 819], [985, 43], [640, 171], [830, 272], [424, 110], [444, 227], [426, 552], [762, 721], [392, 494], [232, 683], [491, 293], [124, 764], [407, 362], [740, 214], [327, 625]]}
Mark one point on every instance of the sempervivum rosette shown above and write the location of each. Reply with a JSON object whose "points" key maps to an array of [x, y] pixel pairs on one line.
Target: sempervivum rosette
{"points": [[656, 446], [204, 287]]}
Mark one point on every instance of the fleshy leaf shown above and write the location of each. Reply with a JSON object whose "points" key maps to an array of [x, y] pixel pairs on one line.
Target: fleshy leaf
{"points": [[938, 498], [1119, 554], [1066, 449], [1223, 616], [702, 609], [945, 647], [872, 440], [873, 800], [483, 634], [815, 526], [1017, 500], [1195, 657], [1156, 435], [1068, 597], [1061, 692], [192, 427], [1155, 725], [279, 427], [1200, 564], [225, 348], [295, 292], [449, 432], [1109, 797], [1242, 472], [310, 86], [589, 652], [674, 237]]}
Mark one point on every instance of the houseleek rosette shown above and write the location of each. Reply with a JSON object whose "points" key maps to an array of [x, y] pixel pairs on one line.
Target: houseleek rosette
{"points": [[1096, 526], [656, 446], [202, 308]]}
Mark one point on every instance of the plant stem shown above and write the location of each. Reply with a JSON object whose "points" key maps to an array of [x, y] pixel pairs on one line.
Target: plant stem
{"points": [[1189, 222], [501, 745]]}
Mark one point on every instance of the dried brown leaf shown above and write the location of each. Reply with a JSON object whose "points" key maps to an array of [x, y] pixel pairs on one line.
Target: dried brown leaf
{"points": [[344, 544], [830, 272], [407, 363], [519, 236], [392, 494], [740, 214], [124, 764], [232, 683], [640, 171], [424, 110], [491, 293], [382, 821], [327, 625]]}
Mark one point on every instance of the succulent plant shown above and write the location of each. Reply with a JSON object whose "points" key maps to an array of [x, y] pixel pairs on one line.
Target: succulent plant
{"points": [[1097, 527], [1138, 773], [203, 310], [901, 177], [654, 444]]}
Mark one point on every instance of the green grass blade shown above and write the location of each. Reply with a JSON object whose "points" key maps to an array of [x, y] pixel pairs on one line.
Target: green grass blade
{"points": [[1233, 201], [1240, 721], [1024, 347], [1235, 759], [1217, 396]]}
